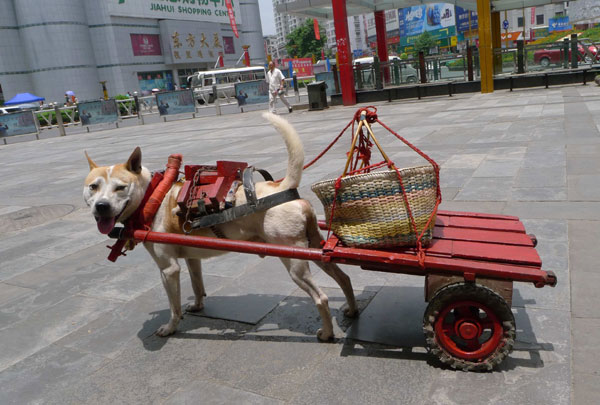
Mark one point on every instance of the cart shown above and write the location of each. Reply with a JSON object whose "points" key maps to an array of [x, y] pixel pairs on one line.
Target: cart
{"points": [[469, 271], [469, 266]]}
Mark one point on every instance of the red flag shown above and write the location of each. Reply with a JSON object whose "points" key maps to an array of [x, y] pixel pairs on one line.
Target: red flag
{"points": [[231, 18], [317, 33]]}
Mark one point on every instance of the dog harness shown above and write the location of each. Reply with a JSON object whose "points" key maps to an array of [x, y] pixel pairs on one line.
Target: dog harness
{"points": [[205, 201]]}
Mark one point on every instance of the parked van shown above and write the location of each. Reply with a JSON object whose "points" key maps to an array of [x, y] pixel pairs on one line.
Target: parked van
{"points": [[202, 82], [408, 74]]}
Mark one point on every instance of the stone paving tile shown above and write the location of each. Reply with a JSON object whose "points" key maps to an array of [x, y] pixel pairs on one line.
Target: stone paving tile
{"points": [[214, 393], [486, 189], [46, 374], [50, 325], [539, 194]]}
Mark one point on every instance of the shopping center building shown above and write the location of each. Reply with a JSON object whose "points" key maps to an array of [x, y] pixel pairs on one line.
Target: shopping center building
{"points": [[52, 46]]}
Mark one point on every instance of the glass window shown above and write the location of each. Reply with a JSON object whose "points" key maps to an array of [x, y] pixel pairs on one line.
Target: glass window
{"points": [[539, 19], [519, 21], [208, 81]]}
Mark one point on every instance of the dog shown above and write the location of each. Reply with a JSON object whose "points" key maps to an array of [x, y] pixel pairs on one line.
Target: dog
{"points": [[113, 193]]}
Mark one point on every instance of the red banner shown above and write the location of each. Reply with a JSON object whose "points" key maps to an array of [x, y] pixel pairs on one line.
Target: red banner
{"points": [[232, 18], [302, 66], [145, 44], [532, 15], [317, 33]]}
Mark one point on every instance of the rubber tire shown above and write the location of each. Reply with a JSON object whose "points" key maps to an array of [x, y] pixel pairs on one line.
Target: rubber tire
{"points": [[545, 62], [411, 79], [471, 292]]}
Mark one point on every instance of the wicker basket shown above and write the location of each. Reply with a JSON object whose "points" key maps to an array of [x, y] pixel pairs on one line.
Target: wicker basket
{"points": [[370, 210]]}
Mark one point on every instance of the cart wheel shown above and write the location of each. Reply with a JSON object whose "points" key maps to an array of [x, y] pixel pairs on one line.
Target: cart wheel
{"points": [[469, 327]]}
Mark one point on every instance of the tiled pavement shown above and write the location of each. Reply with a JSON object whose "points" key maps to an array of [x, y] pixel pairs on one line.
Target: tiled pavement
{"points": [[75, 328]]}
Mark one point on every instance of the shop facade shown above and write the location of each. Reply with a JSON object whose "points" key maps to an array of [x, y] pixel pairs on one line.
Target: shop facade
{"points": [[131, 45]]}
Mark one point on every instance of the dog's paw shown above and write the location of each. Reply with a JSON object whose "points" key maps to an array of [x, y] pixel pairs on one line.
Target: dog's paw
{"points": [[166, 330], [194, 307], [324, 336], [349, 312]]}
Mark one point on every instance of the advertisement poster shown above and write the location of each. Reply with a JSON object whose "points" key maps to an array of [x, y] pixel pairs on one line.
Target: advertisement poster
{"points": [[18, 123], [253, 92], [98, 112], [175, 102], [145, 44], [228, 45], [155, 80], [302, 66], [196, 10], [462, 20], [559, 24], [437, 18], [327, 77]]}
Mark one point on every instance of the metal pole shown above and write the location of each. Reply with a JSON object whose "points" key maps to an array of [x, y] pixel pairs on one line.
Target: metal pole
{"points": [[574, 51], [520, 56], [470, 61], [566, 53], [296, 91], [59, 121], [422, 67]]}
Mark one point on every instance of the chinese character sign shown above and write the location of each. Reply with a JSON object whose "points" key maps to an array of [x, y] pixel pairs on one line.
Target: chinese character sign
{"points": [[559, 24], [302, 66]]}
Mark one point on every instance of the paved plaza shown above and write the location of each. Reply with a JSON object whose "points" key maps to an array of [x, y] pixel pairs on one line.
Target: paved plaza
{"points": [[76, 328]]}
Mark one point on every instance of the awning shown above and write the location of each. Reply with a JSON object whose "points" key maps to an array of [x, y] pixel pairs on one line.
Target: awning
{"points": [[23, 98], [511, 36]]}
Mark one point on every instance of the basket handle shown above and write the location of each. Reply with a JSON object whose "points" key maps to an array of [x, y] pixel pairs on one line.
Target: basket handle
{"points": [[363, 122]]}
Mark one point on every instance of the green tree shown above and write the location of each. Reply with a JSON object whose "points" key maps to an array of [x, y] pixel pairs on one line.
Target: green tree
{"points": [[302, 43], [424, 42]]}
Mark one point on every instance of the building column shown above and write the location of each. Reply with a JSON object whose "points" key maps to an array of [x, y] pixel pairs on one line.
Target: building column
{"points": [[496, 41], [485, 46], [381, 33], [340, 21]]}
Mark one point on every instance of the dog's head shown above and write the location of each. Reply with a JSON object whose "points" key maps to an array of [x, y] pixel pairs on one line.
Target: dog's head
{"points": [[114, 192]]}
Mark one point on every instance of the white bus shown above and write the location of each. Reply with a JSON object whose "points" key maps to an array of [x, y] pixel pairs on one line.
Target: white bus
{"points": [[225, 79]]}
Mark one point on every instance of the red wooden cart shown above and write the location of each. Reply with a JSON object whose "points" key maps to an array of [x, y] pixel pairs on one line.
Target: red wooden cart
{"points": [[469, 270]]}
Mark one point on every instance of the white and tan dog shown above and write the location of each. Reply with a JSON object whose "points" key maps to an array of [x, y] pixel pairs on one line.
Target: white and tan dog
{"points": [[115, 192]]}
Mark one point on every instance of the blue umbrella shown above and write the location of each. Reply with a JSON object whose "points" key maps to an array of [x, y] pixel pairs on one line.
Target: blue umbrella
{"points": [[23, 98]]}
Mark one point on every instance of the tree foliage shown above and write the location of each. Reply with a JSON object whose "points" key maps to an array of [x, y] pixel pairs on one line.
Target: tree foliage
{"points": [[424, 42], [302, 43]]}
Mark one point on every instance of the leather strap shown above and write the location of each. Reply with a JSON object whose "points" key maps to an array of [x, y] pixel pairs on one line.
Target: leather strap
{"points": [[240, 211]]}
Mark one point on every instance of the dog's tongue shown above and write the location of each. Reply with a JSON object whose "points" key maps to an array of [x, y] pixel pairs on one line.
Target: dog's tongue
{"points": [[105, 225]]}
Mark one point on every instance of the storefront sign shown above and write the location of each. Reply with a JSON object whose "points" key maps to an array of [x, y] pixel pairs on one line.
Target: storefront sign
{"points": [[253, 92], [98, 112], [145, 44], [175, 102], [18, 123], [190, 42], [196, 10]]}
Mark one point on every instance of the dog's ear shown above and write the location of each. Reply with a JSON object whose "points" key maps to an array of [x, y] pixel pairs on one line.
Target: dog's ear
{"points": [[92, 164], [134, 164]]}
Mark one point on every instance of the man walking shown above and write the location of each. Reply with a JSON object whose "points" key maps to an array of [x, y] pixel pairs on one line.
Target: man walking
{"points": [[276, 82]]}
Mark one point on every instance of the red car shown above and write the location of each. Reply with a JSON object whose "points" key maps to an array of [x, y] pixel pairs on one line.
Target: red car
{"points": [[545, 57]]}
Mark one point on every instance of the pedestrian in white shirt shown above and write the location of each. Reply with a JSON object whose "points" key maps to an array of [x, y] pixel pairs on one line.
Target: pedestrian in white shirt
{"points": [[276, 81]]}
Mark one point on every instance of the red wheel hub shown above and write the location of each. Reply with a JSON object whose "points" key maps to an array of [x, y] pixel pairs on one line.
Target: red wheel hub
{"points": [[468, 330]]}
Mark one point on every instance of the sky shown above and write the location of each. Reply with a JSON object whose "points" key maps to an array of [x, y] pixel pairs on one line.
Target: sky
{"points": [[266, 17]]}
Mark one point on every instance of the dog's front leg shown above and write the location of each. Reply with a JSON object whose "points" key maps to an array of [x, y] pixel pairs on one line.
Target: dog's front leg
{"points": [[170, 278]]}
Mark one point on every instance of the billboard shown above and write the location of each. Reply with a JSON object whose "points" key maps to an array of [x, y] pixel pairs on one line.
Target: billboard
{"points": [[327, 77], [302, 66], [559, 24], [196, 10], [145, 44], [438, 19], [175, 102], [252, 92], [18, 123], [462, 20], [98, 112]]}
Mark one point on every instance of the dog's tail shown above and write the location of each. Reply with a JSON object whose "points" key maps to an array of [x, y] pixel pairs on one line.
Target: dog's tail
{"points": [[295, 150]]}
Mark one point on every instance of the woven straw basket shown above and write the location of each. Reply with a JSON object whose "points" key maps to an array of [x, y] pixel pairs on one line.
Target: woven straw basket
{"points": [[370, 210]]}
